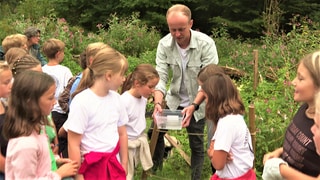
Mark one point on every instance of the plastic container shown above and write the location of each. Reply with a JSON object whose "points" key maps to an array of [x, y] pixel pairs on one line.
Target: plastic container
{"points": [[169, 119]]}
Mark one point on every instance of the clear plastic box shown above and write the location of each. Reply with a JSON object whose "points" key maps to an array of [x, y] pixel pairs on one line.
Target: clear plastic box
{"points": [[169, 119]]}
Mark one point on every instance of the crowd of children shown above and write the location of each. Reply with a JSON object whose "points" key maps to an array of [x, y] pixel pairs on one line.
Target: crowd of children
{"points": [[54, 125]]}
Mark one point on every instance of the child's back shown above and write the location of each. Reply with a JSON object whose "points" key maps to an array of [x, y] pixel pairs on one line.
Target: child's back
{"points": [[61, 74], [54, 50]]}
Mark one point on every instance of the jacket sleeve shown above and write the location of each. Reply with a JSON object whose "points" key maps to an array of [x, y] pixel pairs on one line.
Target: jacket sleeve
{"points": [[209, 54], [162, 68], [39, 56], [41, 59], [20, 166]]}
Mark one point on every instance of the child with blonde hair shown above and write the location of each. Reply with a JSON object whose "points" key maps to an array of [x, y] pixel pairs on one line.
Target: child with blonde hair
{"points": [[14, 40], [90, 52], [11, 41], [5, 89], [298, 156], [287, 172], [315, 129], [86, 59], [97, 118]]}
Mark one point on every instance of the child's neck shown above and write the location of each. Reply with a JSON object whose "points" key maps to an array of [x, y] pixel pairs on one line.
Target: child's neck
{"points": [[99, 88], [53, 62], [134, 93]]}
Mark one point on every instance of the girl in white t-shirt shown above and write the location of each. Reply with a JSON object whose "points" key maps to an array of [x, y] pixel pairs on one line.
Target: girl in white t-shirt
{"points": [[230, 150], [138, 86], [97, 119]]}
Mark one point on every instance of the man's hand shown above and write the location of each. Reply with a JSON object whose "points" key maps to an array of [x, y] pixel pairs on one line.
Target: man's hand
{"points": [[188, 113]]}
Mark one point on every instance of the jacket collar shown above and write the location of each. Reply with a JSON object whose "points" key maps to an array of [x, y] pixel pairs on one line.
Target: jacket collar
{"points": [[172, 42]]}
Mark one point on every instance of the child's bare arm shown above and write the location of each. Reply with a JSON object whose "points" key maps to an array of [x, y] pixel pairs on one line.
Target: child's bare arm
{"points": [[289, 173], [123, 138], [74, 141]]}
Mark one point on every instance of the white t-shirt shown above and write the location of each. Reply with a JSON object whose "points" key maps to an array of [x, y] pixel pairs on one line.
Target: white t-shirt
{"points": [[97, 119], [183, 89], [61, 75], [232, 135], [136, 109]]}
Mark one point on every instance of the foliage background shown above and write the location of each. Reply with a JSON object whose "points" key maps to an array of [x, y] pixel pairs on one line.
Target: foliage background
{"points": [[248, 18], [137, 26]]}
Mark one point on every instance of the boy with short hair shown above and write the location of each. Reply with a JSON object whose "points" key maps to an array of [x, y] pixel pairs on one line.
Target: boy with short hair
{"points": [[53, 49]]}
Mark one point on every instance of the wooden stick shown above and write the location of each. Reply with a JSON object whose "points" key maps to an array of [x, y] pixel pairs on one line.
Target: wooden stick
{"points": [[182, 153], [255, 75], [154, 139], [252, 127]]}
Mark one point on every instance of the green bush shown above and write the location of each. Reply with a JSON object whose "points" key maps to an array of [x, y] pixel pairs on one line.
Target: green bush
{"points": [[129, 35], [34, 9], [147, 57]]}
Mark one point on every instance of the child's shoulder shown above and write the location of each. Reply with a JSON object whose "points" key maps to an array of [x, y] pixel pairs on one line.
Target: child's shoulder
{"points": [[231, 119], [58, 67], [85, 96], [25, 141], [114, 93], [125, 94], [64, 67]]}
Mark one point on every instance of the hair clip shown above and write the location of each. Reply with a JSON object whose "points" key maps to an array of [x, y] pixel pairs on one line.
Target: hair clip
{"points": [[14, 66]]}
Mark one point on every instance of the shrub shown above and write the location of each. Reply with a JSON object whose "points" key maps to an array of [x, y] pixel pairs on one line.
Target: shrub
{"points": [[129, 35]]}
